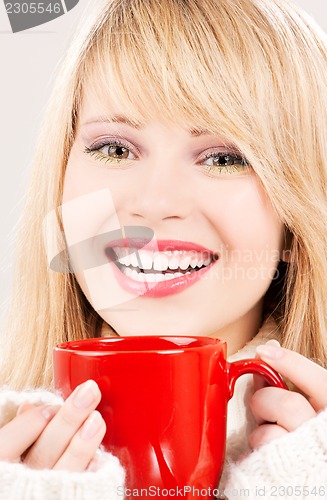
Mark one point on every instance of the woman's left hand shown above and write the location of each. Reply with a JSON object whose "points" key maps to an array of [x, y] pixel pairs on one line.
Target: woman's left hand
{"points": [[278, 411]]}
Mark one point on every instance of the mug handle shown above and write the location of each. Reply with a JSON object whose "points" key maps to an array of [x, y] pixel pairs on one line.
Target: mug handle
{"points": [[254, 366]]}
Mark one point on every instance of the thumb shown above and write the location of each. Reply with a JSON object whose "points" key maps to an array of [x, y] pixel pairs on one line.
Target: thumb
{"points": [[260, 382]]}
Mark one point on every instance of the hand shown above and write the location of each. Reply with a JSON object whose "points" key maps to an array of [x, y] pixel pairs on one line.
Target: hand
{"points": [[56, 438], [278, 411]]}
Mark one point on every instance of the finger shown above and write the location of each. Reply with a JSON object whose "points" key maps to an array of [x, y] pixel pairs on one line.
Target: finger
{"points": [[308, 376], [83, 446], [23, 430], [93, 466], [265, 434], [260, 382], [24, 407], [56, 437], [288, 409]]}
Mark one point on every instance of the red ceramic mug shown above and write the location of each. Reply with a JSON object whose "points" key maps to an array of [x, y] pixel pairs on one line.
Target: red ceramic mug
{"points": [[164, 401]]}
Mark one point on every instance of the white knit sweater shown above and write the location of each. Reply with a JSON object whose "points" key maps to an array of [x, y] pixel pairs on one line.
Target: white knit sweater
{"points": [[291, 467]]}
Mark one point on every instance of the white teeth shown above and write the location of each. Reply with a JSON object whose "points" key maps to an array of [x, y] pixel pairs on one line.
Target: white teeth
{"points": [[128, 272], [160, 262], [207, 261], [134, 275], [145, 260], [150, 277], [125, 260], [173, 262], [185, 262], [134, 259], [194, 260], [120, 252], [173, 275]]}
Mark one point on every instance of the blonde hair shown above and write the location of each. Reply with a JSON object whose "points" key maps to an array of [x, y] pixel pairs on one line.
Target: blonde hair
{"points": [[251, 70]]}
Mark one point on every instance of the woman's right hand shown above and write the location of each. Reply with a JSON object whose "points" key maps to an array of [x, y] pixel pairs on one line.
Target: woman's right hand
{"points": [[52, 437]]}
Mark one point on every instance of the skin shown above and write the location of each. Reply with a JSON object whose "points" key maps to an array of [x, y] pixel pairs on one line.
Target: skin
{"points": [[165, 184], [233, 217], [52, 437], [287, 408]]}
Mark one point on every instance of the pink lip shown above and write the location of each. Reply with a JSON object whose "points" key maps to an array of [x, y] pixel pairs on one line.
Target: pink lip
{"points": [[162, 288], [158, 245]]}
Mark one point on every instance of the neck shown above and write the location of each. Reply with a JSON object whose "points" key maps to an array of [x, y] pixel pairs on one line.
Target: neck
{"points": [[241, 331]]}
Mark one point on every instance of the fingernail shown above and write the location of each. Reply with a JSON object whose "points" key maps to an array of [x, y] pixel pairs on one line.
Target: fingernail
{"points": [[49, 411], [23, 407], [85, 394], [91, 426], [270, 352], [273, 342]]}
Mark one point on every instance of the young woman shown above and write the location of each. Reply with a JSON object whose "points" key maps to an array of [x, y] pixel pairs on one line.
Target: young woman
{"points": [[202, 123]]}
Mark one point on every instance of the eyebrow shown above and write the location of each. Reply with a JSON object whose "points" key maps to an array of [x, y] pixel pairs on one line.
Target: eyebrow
{"points": [[194, 132]]}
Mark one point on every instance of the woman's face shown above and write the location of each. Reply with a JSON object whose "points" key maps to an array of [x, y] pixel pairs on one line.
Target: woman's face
{"points": [[188, 201]]}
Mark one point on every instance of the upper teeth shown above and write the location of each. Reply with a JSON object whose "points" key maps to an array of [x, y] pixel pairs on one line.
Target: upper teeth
{"points": [[161, 261]]}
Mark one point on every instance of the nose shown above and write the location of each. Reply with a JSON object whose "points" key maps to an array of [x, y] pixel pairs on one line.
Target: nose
{"points": [[161, 191]]}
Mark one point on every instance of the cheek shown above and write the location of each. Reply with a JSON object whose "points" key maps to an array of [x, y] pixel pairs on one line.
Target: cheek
{"points": [[90, 221], [247, 220], [88, 214], [74, 184], [87, 207], [80, 178]]}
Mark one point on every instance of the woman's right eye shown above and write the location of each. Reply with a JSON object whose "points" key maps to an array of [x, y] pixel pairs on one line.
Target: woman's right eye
{"points": [[115, 151]]}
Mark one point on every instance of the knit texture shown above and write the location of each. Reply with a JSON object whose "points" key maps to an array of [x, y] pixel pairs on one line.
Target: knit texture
{"points": [[240, 421], [290, 467], [18, 482], [293, 466]]}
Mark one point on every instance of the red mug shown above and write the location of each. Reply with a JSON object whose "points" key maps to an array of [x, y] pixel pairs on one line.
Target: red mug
{"points": [[164, 401]]}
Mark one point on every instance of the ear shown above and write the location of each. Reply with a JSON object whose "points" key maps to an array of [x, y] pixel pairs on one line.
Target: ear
{"points": [[286, 250]]}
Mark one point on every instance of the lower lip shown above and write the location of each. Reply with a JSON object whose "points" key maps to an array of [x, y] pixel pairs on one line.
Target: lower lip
{"points": [[161, 289]]}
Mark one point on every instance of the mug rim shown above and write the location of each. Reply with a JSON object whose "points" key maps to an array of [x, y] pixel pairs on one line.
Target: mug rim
{"points": [[73, 346]]}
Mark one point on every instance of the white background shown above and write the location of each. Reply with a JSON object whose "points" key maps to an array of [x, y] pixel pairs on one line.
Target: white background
{"points": [[28, 61]]}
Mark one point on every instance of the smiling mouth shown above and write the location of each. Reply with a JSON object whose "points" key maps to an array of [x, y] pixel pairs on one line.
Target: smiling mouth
{"points": [[147, 266]]}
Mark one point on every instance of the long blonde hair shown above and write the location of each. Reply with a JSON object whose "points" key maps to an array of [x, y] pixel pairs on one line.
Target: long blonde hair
{"points": [[252, 70]]}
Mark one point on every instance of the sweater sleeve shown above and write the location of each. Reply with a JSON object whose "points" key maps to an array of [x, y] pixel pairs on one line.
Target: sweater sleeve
{"points": [[18, 481], [292, 466]]}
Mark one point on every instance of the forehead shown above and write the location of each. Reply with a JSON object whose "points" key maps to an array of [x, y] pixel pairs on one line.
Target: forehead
{"points": [[101, 103], [199, 75], [105, 108]]}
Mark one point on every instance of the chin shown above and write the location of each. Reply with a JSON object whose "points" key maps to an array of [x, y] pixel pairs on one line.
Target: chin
{"points": [[169, 330]]}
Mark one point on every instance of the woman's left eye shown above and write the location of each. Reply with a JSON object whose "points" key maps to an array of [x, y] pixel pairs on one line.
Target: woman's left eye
{"points": [[225, 162], [114, 151]]}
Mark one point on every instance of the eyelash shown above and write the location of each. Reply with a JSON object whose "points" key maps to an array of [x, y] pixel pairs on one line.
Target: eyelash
{"points": [[95, 150], [237, 159]]}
